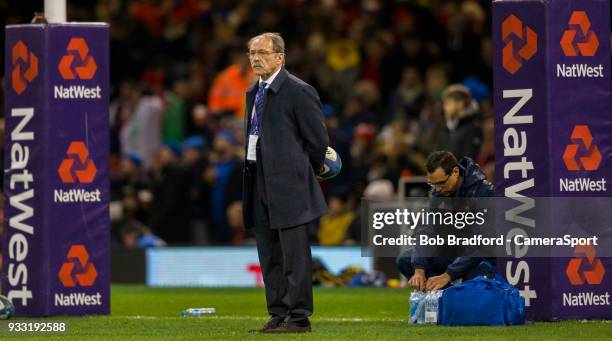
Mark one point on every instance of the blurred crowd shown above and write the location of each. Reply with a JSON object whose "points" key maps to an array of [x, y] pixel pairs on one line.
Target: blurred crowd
{"points": [[397, 79]]}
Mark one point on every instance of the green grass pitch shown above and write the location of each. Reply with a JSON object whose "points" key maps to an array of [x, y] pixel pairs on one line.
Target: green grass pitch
{"points": [[141, 313]]}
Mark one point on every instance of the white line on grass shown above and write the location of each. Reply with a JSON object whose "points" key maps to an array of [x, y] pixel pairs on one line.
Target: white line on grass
{"points": [[322, 319], [232, 317]]}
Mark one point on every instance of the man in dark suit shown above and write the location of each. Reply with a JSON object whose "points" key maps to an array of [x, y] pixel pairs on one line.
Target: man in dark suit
{"points": [[286, 142]]}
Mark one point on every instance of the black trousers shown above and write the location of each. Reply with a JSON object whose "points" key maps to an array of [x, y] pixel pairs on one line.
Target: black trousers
{"points": [[285, 259]]}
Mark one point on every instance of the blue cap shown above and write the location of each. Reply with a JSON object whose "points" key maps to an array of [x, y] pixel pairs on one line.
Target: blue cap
{"points": [[174, 147], [478, 88], [228, 135], [328, 111], [134, 157], [195, 142]]}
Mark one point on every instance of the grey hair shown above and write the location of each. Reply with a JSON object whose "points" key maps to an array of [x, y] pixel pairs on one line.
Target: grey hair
{"points": [[278, 44]]}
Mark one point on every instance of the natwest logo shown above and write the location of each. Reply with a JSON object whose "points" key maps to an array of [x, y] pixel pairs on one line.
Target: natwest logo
{"points": [[579, 38], [582, 154], [78, 269], [521, 44], [25, 67], [77, 61], [591, 156], [77, 166], [585, 267]]}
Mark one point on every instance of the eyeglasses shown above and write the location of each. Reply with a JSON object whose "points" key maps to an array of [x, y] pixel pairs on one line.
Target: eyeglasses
{"points": [[262, 53], [438, 183]]}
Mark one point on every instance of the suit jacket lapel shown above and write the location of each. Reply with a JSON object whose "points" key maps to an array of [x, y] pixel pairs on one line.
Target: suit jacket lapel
{"points": [[271, 91], [250, 98], [278, 81]]}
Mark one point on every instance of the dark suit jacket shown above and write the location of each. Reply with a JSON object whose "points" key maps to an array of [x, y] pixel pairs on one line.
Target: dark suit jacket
{"points": [[292, 144]]}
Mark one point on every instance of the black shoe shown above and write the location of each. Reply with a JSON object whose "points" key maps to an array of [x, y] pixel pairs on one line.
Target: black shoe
{"points": [[292, 327], [272, 323]]}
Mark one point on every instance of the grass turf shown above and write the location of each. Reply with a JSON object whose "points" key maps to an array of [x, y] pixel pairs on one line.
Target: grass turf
{"points": [[141, 313]]}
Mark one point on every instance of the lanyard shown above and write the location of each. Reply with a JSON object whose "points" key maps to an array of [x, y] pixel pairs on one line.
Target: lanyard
{"points": [[255, 124], [255, 119]]}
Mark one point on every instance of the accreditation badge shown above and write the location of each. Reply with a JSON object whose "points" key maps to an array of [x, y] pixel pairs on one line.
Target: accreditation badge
{"points": [[251, 154]]}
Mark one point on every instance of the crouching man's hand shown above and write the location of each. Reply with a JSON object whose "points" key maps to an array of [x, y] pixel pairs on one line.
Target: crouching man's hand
{"points": [[417, 281], [438, 282]]}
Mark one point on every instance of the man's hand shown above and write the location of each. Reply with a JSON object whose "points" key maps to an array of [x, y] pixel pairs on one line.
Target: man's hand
{"points": [[318, 174], [438, 282], [417, 281]]}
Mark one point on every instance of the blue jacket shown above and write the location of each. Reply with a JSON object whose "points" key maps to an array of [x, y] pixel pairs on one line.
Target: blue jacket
{"points": [[475, 184]]}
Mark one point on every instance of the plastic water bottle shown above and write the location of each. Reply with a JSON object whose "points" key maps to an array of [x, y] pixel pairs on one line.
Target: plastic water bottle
{"points": [[431, 306], [196, 312], [416, 307]]}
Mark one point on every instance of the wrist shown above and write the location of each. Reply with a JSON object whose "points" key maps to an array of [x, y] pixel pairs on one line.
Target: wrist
{"points": [[419, 272]]}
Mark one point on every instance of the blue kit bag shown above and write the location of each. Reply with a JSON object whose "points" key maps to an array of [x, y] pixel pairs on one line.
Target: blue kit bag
{"points": [[482, 301]]}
